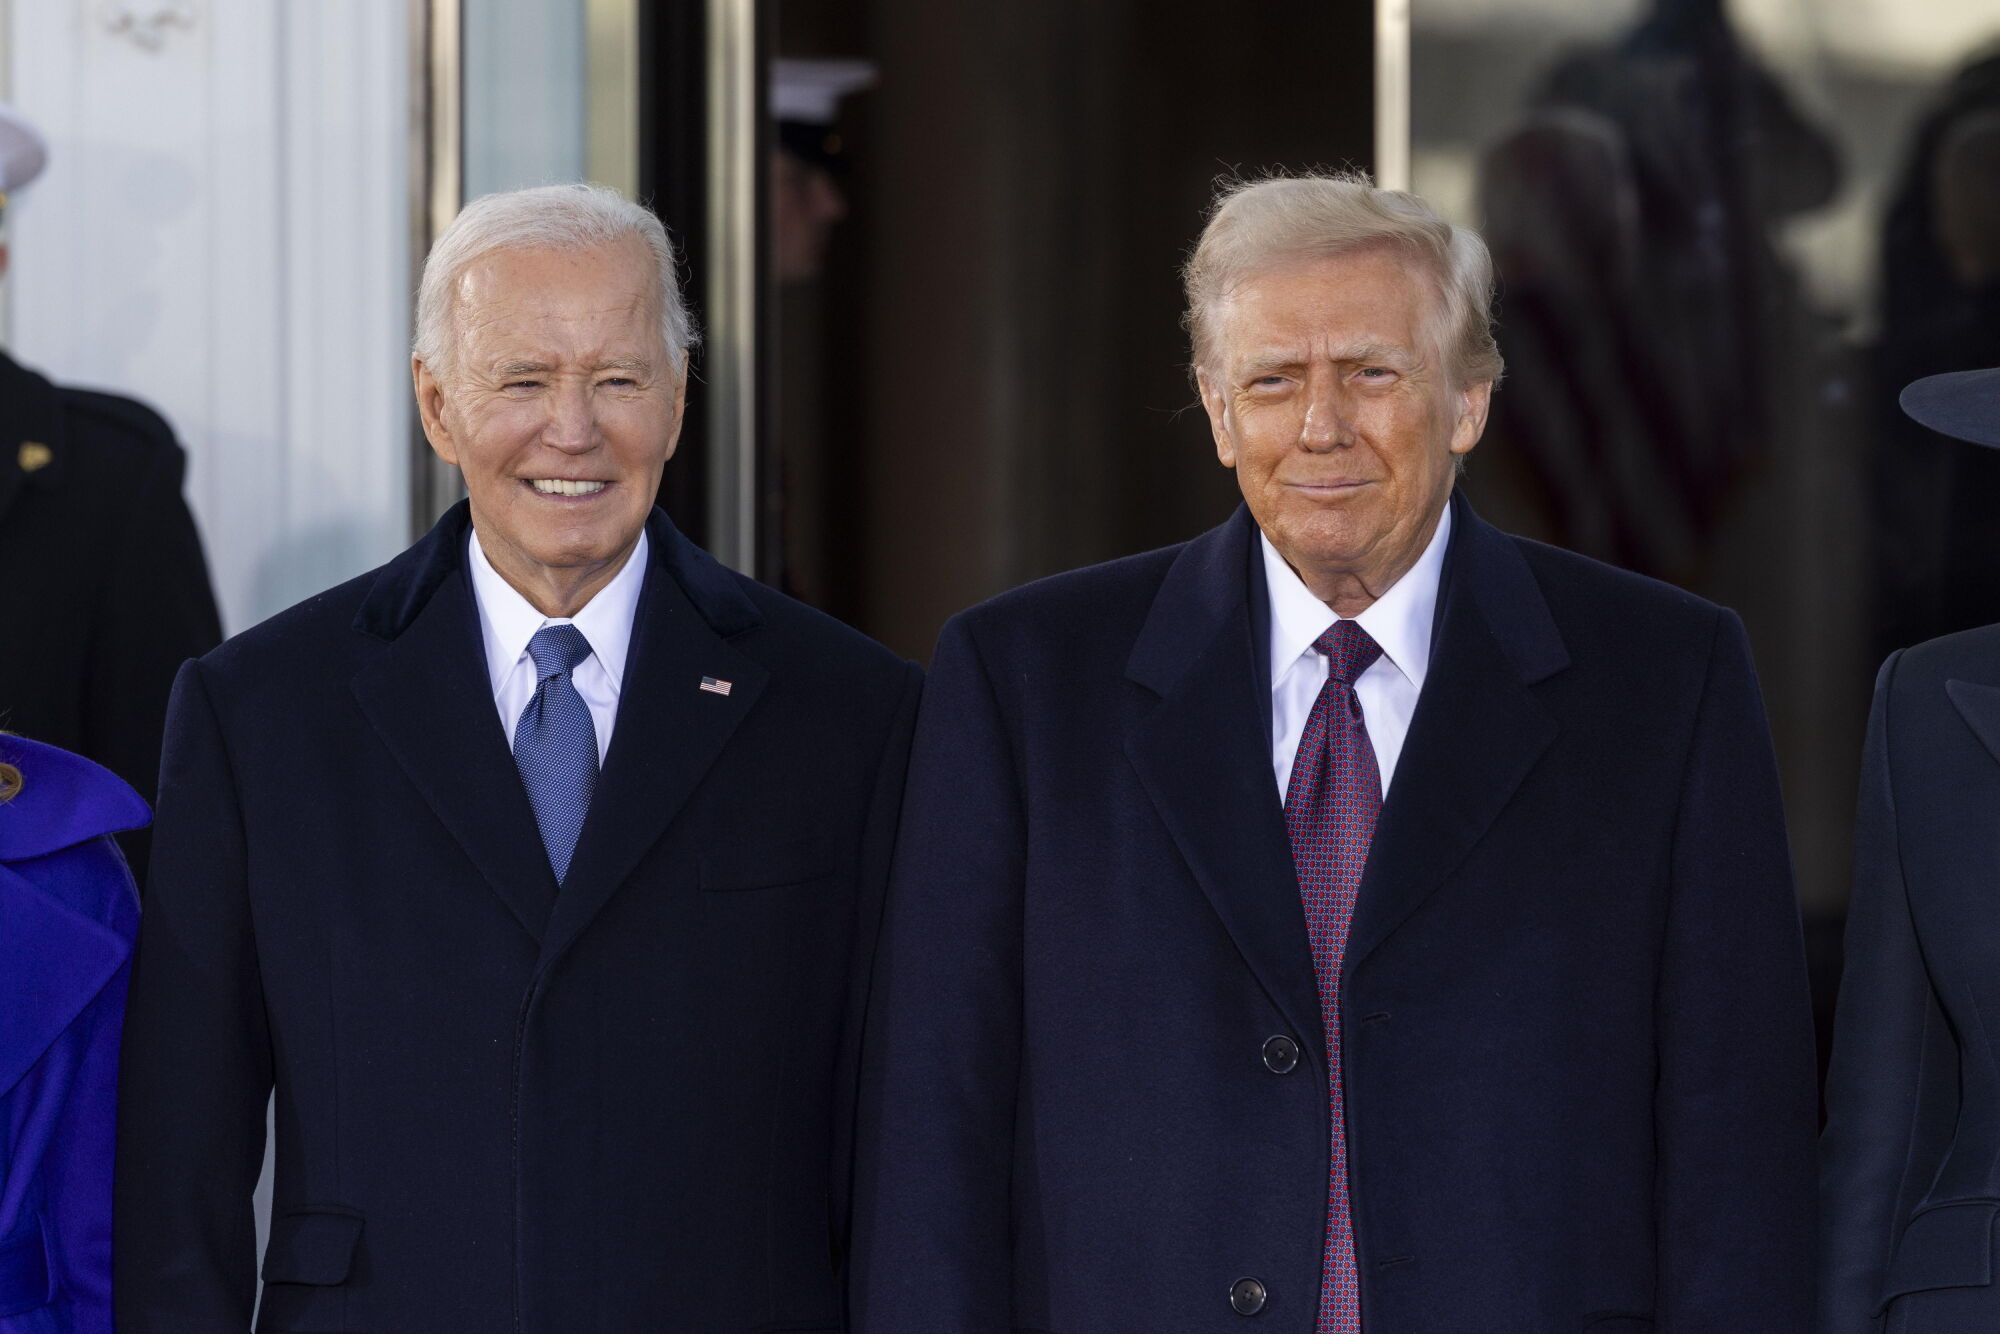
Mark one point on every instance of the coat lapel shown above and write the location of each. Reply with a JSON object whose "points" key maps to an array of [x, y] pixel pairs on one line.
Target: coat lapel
{"points": [[669, 730], [1478, 729], [1979, 705], [428, 697], [1204, 757]]}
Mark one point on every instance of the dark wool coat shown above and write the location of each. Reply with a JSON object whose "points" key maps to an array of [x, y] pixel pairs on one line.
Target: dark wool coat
{"points": [[620, 1107], [1578, 1053]]}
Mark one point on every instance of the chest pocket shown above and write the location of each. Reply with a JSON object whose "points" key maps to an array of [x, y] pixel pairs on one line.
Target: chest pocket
{"points": [[783, 865]]}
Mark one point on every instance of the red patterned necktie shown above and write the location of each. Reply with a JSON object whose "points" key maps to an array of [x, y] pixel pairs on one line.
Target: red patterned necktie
{"points": [[1331, 805]]}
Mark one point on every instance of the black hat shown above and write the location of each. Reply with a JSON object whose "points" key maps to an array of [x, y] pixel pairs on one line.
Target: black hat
{"points": [[805, 102], [1962, 404]]}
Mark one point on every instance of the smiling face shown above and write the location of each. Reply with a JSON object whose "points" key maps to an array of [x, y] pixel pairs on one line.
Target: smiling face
{"points": [[1329, 397], [561, 405]]}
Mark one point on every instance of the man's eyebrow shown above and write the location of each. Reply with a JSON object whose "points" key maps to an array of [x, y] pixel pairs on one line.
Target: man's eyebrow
{"points": [[623, 364], [1380, 354], [1259, 363], [508, 369], [1276, 359]]}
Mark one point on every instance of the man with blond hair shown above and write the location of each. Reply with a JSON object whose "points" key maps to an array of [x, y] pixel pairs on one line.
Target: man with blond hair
{"points": [[1355, 918], [533, 871]]}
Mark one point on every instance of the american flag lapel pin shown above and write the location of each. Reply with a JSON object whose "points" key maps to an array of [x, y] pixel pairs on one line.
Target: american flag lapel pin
{"points": [[714, 686]]}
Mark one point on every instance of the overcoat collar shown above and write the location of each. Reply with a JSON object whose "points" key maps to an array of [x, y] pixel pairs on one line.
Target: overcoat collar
{"points": [[65, 800], [33, 417], [1204, 753], [429, 697]]}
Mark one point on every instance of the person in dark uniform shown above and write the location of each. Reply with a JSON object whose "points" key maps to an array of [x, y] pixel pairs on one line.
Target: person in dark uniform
{"points": [[105, 587]]}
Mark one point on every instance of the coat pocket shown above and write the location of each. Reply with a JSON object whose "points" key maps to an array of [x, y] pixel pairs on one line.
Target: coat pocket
{"points": [[776, 867], [314, 1246], [1946, 1245]]}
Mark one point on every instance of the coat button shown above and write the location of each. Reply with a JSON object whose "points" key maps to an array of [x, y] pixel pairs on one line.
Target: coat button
{"points": [[1246, 1296], [1281, 1055]]}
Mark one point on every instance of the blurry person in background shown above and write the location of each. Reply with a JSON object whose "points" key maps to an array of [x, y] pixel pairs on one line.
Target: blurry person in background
{"points": [[68, 915], [1909, 1191], [813, 348], [106, 593], [1633, 213], [806, 164], [1356, 917], [536, 871], [1937, 543]]}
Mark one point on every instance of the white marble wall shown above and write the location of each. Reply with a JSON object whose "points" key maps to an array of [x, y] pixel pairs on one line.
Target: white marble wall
{"points": [[223, 231]]}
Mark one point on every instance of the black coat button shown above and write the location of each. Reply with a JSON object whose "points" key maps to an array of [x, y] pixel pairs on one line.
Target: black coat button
{"points": [[1246, 1296], [1281, 1055]]}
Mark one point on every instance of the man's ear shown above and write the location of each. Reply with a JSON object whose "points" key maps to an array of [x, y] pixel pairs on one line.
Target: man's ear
{"points": [[1216, 404], [431, 410], [1474, 401]]}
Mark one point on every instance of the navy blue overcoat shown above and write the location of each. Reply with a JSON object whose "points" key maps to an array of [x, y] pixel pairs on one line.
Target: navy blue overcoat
{"points": [[619, 1107], [1578, 1061]]}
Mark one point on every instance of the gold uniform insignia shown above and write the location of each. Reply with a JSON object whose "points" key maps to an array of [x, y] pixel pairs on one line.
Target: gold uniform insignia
{"points": [[34, 456]]}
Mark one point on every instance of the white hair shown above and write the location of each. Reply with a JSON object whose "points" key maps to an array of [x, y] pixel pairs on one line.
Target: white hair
{"points": [[546, 217], [1257, 225]]}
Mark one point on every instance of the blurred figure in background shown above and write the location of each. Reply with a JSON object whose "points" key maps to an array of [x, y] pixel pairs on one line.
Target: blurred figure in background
{"points": [[806, 164], [816, 456], [1631, 215], [68, 915], [1938, 545], [106, 591]]}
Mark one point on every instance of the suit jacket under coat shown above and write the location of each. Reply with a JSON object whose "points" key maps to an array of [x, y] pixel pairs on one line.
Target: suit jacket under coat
{"points": [[1911, 1153], [68, 913], [616, 1107], [1578, 1059], [104, 586]]}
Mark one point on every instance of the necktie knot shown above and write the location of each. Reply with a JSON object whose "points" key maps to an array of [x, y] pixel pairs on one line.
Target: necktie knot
{"points": [[557, 649], [1349, 650]]}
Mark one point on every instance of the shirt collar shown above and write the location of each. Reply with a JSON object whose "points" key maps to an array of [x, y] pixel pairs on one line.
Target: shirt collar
{"points": [[1400, 620], [507, 621]]}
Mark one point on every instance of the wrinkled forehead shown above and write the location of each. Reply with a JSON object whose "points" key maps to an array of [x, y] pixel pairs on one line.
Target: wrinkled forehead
{"points": [[1368, 300], [567, 297]]}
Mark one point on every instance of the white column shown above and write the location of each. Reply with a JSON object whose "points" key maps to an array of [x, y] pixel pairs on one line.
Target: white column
{"points": [[223, 232]]}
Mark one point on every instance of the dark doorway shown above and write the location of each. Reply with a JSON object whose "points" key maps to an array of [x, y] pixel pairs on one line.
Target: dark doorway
{"points": [[979, 375]]}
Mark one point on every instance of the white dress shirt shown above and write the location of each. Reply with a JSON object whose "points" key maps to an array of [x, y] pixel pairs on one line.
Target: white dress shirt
{"points": [[1400, 621], [507, 621]]}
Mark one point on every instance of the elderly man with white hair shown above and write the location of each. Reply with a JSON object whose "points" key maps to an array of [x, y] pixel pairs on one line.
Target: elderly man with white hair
{"points": [[1356, 918], [530, 871]]}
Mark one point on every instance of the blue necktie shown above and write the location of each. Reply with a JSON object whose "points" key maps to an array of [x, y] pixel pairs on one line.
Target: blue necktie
{"points": [[555, 744]]}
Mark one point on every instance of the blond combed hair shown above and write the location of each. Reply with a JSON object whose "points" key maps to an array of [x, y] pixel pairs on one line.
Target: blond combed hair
{"points": [[1255, 225]]}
